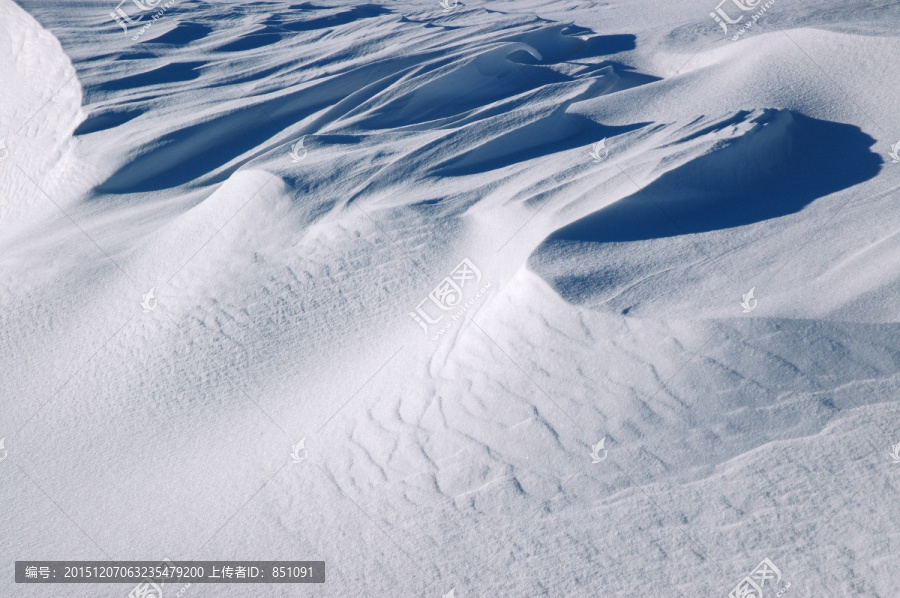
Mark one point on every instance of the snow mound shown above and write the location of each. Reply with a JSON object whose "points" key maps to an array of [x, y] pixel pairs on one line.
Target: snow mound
{"points": [[784, 162]]}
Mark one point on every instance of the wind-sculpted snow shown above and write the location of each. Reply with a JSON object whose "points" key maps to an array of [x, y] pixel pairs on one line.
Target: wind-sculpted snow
{"points": [[392, 95], [778, 167], [225, 233]]}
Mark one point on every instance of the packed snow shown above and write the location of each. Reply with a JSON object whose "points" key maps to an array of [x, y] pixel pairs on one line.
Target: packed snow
{"points": [[503, 298]]}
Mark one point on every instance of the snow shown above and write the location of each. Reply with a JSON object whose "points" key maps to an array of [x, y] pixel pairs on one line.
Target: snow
{"points": [[606, 302]]}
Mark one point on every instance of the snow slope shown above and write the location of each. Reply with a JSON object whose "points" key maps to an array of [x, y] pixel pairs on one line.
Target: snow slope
{"points": [[604, 300]]}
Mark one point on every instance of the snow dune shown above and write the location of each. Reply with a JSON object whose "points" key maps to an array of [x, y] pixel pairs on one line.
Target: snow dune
{"points": [[610, 284]]}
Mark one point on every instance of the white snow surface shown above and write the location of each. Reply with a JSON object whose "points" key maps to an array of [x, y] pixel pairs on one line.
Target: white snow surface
{"points": [[609, 302]]}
